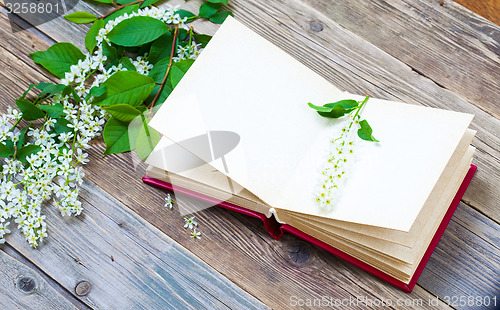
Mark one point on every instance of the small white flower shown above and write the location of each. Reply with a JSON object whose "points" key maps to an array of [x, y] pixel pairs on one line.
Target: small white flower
{"points": [[169, 203], [195, 234], [189, 222]]}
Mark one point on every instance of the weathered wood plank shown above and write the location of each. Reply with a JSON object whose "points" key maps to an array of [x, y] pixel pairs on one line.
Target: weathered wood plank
{"points": [[236, 245], [458, 50], [23, 288], [279, 277], [341, 57], [129, 263], [467, 260]]}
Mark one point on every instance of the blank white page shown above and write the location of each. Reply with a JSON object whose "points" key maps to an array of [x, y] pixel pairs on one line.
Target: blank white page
{"points": [[243, 84]]}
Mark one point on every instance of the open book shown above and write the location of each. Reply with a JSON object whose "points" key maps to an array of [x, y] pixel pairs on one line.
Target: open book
{"points": [[237, 131]]}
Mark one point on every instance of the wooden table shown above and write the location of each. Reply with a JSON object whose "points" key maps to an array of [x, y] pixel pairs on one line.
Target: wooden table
{"points": [[133, 253]]}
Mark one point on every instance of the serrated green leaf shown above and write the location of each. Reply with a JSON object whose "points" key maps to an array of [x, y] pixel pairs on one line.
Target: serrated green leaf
{"points": [[335, 109], [30, 87], [218, 1], [53, 111], [137, 30], [159, 70], [123, 112], [103, 1], [109, 51], [22, 136], [58, 58], [26, 151], [69, 90], [128, 9], [146, 141], [178, 70], [90, 38], [126, 63], [97, 91], [61, 126], [148, 3], [50, 89], [30, 111], [165, 92], [123, 2], [208, 9], [81, 17], [365, 132], [185, 13], [203, 39], [5, 151], [116, 137], [161, 48], [126, 87], [220, 17]]}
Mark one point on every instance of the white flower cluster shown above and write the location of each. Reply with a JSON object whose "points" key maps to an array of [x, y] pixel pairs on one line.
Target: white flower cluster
{"points": [[190, 51], [55, 172], [24, 187], [340, 158]]}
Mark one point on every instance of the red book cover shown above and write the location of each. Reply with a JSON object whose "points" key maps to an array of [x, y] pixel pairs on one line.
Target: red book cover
{"points": [[276, 230]]}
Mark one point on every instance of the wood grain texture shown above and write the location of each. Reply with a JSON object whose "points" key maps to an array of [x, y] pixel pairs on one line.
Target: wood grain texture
{"points": [[238, 246], [456, 50], [468, 252], [148, 270], [342, 58], [36, 292], [489, 9], [351, 63]]}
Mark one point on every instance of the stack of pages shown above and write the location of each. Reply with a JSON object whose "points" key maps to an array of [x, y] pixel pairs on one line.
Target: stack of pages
{"points": [[237, 129]]}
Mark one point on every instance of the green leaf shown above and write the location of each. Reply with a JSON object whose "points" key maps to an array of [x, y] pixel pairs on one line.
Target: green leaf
{"points": [[128, 9], [69, 90], [109, 51], [5, 151], [203, 39], [148, 3], [123, 112], [208, 9], [116, 137], [146, 141], [335, 109], [61, 126], [30, 111], [50, 89], [178, 70], [123, 2], [159, 70], [137, 30], [220, 17], [126, 63], [30, 87], [58, 58], [53, 111], [81, 17], [218, 1], [96, 92], [165, 92], [365, 132], [90, 38], [126, 87], [22, 136], [103, 1], [27, 151], [185, 13], [161, 48]]}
